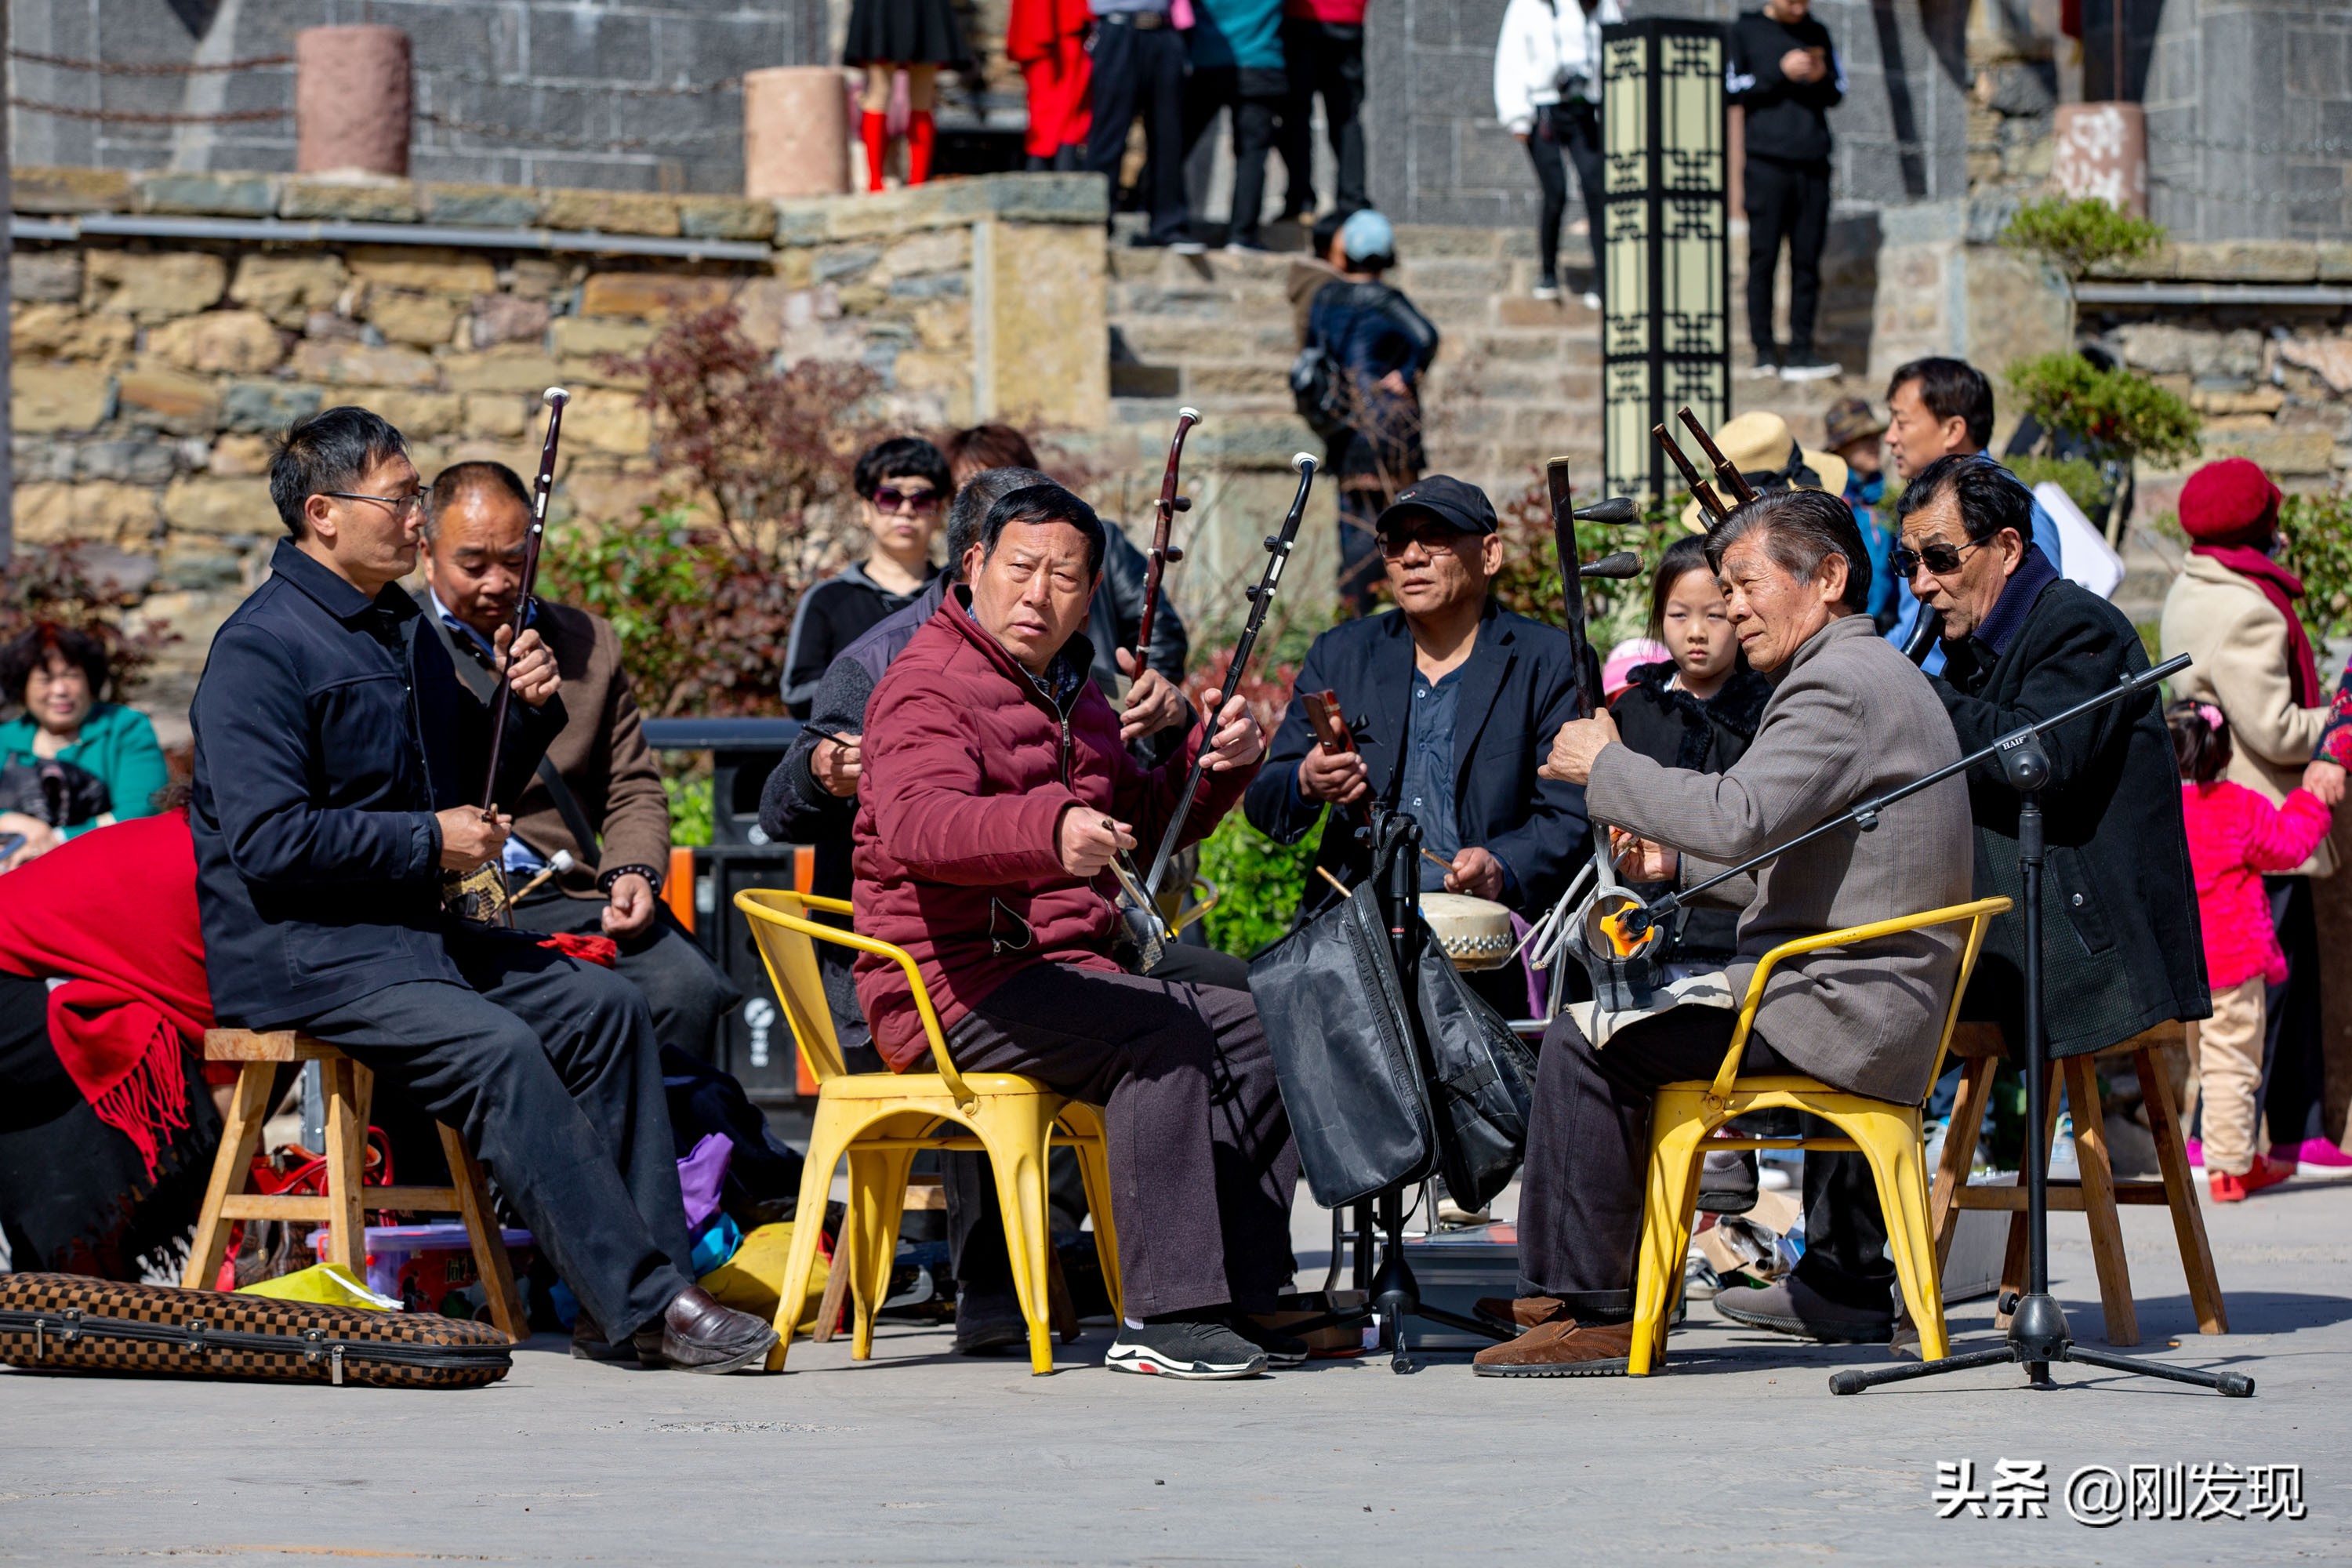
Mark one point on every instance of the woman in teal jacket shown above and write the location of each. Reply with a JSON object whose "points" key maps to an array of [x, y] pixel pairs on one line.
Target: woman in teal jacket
{"points": [[72, 763]]}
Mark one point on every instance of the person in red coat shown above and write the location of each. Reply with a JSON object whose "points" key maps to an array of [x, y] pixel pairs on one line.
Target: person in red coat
{"points": [[1047, 39], [994, 797]]}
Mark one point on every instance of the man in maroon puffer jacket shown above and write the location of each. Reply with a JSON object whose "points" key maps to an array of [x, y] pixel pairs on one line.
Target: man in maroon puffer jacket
{"points": [[994, 798]]}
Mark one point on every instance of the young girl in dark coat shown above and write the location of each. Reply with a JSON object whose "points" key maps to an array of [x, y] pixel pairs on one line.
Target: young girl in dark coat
{"points": [[1697, 711]]}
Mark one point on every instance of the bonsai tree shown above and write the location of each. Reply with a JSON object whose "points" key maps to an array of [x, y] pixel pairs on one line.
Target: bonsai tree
{"points": [[2097, 417]]}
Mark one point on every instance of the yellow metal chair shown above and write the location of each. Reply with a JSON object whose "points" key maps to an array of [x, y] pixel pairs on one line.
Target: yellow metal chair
{"points": [[879, 1121], [1685, 1116]]}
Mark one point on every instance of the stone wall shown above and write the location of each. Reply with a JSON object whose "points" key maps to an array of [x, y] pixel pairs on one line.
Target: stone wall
{"points": [[150, 372], [642, 97]]}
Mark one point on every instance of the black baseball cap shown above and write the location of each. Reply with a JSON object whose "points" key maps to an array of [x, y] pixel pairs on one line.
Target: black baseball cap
{"points": [[1461, 507]]}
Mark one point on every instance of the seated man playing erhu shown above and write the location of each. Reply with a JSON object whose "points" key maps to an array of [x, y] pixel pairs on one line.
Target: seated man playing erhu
{"points": [[338, 758], [1849, 718], [994, 798]]}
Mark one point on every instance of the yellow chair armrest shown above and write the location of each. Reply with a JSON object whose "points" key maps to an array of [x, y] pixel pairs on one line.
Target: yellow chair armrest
{"points": [[1975, 912], [817, 930]]}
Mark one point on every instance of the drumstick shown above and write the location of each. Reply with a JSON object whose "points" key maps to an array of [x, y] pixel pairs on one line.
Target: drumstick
{"points": [[1335, 881], [1440, 862]]}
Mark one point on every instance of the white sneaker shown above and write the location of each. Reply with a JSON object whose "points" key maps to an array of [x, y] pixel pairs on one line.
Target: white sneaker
{"points": [[1591, 300]]}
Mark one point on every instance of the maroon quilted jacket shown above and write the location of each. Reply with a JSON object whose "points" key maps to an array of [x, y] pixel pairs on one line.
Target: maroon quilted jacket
{"points": [[968, 770]]}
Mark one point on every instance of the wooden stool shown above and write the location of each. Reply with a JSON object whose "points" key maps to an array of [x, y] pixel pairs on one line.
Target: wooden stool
{"points": [[349, 1088], [1981, 1050]]}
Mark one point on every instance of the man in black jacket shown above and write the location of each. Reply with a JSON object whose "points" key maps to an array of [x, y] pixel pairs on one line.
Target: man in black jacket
{"points": [[1784, 72], [2121, 948], [1453, 701], [337, 758]]}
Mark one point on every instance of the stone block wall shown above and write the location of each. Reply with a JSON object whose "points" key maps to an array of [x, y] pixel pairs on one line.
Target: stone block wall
{"points": [[644, 97], [150, 372]]}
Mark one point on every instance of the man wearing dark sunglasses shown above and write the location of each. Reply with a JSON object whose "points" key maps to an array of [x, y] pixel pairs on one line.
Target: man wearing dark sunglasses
{"points": [[2121, 946], [1453, 701], [903, 484]]}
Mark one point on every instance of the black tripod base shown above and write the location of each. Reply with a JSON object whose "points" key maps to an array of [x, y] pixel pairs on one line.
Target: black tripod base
{"points": [[2038, 1336]]}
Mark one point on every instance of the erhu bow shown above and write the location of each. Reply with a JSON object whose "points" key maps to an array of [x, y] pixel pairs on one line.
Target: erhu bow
{"points": [[1163, 552], [1261, 598]]}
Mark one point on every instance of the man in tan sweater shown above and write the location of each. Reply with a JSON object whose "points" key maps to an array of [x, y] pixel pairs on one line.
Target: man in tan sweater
{"points": [[1850, 718], [598, 796]]}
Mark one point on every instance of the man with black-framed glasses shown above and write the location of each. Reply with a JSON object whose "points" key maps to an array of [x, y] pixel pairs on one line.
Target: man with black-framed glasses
{"points": [[339, 772], [904, 486], [2121, 946]]}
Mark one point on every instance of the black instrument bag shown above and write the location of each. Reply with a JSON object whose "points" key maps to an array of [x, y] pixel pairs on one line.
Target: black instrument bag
{"points": [[1345, 1053], [69, 1323]]}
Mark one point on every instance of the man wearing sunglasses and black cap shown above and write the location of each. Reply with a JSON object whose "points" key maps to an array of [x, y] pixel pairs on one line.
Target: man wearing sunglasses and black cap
{"points": [[2121, 948], [1451, 700]]}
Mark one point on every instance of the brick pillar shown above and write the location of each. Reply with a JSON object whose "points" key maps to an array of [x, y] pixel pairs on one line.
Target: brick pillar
{"points": [[795, 133], [351, 101]]}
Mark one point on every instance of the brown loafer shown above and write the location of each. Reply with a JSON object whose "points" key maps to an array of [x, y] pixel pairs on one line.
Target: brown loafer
{"points": [[1520, 1315], [1561, 1348]]}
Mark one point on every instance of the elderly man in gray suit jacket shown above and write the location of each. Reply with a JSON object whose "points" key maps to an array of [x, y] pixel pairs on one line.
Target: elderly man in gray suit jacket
{"points": [[1849, 718]]}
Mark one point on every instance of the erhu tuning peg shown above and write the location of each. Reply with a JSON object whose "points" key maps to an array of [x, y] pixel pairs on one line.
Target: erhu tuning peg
{"points": [[1182, 503], [1173, 554]]}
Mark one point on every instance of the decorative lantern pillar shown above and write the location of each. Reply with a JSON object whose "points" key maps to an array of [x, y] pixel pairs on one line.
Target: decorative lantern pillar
{"points": [[1666, 332]]}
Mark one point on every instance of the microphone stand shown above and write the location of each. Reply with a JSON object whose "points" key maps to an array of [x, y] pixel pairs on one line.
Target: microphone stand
{"points": [[2038, 1332]]}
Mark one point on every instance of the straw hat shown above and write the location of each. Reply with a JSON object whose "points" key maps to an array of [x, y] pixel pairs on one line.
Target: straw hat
{"points": [[1769, 459]]}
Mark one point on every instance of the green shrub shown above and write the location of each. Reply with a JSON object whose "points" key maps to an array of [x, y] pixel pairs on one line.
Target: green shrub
{"points": [[1258, 884], [2113, 411], [2078, 476], [2315, 540], [2080, 234], [689, 810]]}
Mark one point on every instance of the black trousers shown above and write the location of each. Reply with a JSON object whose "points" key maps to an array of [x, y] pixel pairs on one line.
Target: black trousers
{"points": [[1588, 1147], [1791, 201], [1141, 71], [2294, 1042], [975, 1222], [549, 1070], [1325, 58], [1202, 1166], [1255, 98], [687, 994], [1573, 127]]}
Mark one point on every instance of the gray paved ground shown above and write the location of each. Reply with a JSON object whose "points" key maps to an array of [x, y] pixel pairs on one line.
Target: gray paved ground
{"points": [[1738, 1453]]}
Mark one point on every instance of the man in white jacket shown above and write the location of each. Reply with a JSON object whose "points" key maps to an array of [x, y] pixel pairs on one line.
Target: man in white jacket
{"points": [[1548, 93]]}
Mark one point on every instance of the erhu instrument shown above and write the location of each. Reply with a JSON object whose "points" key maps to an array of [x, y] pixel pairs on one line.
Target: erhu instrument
{"points": [[1742, 492], [1261, 598], [1703, 492], [480, 895], [1610, 900], [1164, 524]]}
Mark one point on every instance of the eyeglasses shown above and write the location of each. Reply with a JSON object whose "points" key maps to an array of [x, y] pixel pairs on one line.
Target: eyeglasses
{"points": [[1941, 558], [402, 505], [890, 498], [1432, 537]]}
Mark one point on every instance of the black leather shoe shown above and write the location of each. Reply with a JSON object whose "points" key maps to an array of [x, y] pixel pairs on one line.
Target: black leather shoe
{"points": [[697, 1335], [589, 1344], [1793, 1307], [988, 1322]]}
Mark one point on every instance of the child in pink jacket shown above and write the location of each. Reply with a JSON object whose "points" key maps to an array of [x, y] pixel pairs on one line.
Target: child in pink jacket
{"points": [[2235, 836]]}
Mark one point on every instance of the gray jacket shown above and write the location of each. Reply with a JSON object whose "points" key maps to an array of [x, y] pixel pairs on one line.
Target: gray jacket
{"points": [[1849, 718]]}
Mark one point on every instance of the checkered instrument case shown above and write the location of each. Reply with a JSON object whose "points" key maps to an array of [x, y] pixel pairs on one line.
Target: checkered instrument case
{"points": [[69, 1323]]}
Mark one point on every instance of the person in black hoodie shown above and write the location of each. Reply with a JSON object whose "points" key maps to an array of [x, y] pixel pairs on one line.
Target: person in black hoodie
{"points": [[1698, 710], [1785, 73]]}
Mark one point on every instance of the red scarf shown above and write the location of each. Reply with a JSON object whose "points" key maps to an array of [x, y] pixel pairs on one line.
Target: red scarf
{"points": [[112, 913], [2282, 588]]}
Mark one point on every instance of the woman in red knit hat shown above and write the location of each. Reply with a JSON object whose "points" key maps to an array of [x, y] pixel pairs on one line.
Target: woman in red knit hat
{"points": [[2232, 609]]}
